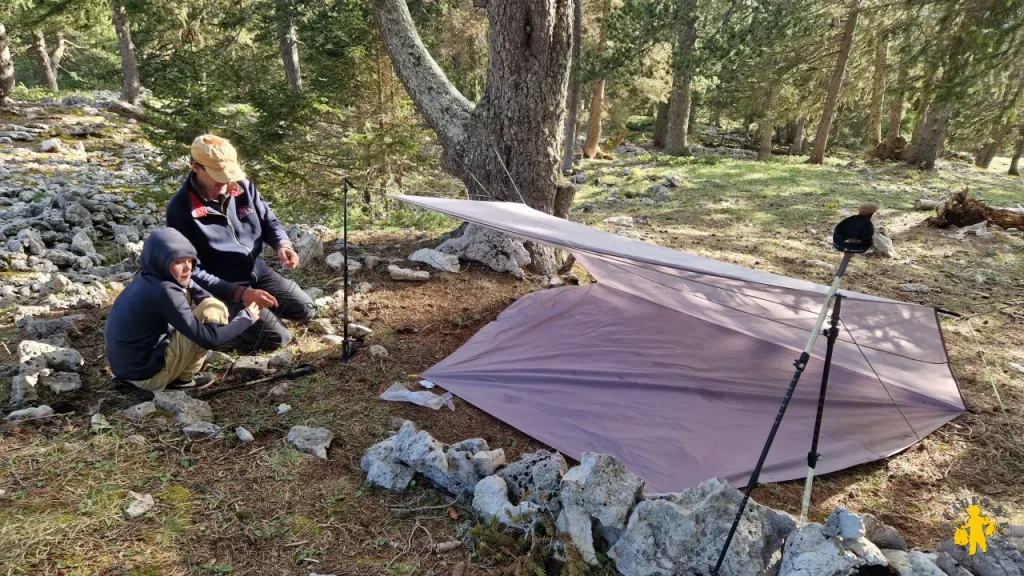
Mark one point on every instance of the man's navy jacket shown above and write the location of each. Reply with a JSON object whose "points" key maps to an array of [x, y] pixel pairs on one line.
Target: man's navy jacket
{"points": [[229, 243]]}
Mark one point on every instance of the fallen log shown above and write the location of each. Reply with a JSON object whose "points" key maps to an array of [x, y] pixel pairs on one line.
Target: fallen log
{"points": [[128, 111], [927, 204], [963, 210]]}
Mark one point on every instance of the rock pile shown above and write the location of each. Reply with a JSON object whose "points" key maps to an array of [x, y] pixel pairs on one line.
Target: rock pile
{"points": [[41, 363], [499, 252], [54, 208], [689, 528], [601, 507], [456, 468]]}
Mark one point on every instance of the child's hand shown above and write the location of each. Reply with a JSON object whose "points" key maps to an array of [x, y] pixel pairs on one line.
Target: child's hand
{"points": [[254, 309]]}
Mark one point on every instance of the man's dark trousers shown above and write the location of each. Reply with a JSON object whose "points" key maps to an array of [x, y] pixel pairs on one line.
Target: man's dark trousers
{"points": [[269, 333]]}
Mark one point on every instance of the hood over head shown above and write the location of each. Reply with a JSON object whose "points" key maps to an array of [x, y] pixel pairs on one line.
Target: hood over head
{"points": [[161, 248]]}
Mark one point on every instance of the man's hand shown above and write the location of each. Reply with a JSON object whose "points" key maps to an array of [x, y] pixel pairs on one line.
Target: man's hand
{"points": [[260, 298], [287, 255]]}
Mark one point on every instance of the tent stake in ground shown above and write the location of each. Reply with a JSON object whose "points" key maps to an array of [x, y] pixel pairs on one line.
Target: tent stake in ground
{"points": [[851, 236]]}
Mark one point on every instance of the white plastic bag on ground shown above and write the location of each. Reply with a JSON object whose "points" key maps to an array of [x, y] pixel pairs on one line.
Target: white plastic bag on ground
{"points": [[399, 393]]}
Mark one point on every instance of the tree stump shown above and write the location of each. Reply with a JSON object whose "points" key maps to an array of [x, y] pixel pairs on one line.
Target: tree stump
{"points": [[963, 210]]}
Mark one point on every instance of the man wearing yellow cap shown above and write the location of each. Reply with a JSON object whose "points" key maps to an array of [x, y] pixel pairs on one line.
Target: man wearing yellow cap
{"points": [[221, 213]]}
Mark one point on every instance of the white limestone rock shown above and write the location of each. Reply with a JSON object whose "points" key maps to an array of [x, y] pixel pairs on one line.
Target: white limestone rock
{"points": [[407, 275], [314, 441], [602, 490], [419, 450], [844, 524], [498, 251], [138, 505], [383, 469], [490, 500], [30, 413], [436, 259], [202, 430], [139, 411], [683, 532], [188, 410]]}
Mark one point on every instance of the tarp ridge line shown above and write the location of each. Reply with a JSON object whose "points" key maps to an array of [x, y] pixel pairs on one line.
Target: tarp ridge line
{"points": [[571, 246]]}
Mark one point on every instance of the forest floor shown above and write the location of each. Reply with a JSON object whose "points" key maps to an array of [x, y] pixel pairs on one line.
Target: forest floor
{"points": [[263, 508]]}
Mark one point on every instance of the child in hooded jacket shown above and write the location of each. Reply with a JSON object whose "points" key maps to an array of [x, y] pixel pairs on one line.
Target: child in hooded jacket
{"points": [[161, 326]]}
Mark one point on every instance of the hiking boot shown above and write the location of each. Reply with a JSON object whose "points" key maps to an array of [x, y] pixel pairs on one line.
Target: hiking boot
{"points": [[198, 382]]}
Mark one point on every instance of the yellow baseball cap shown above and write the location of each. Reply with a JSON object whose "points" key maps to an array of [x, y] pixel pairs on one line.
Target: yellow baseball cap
{"points": [[218, 157]]}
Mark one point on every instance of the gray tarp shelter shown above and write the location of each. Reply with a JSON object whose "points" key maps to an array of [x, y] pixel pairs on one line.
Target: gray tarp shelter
{"points": [[677, 364]]}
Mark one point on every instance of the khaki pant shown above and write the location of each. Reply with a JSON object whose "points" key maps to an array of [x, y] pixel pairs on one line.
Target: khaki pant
{"points": [[183, 358]]}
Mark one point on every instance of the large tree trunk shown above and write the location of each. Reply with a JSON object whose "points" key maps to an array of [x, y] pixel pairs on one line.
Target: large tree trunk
{"points": [[924, 150], [58, 53], [764, 147], [129, 66], [691, 123], [896, 108], [661, 124], [1014, 164], [764, 150], [507, 147], [591, 146], [832, 97], [998, 135], [6, 67], [989, 151], [874, 131], [45, 66], [573, 104], [288, 39], [921, 115], [677, 132], [796, 147], [924, 101]]}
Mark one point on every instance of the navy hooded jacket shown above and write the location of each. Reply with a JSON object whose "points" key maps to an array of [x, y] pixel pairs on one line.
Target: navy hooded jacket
{"points": [[153, 305], [228, 242]]}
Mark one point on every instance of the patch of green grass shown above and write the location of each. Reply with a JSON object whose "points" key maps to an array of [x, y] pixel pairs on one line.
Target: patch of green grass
{"points": [[99, 502], [303, 526], [283, 462], [337, 493], [399, 569]]}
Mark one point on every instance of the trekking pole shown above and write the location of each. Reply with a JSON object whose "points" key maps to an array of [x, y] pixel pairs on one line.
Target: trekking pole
{"points": [[851, 236], [812, 457], [348, 350], [297, 372]]}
